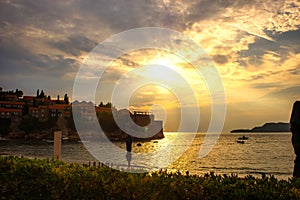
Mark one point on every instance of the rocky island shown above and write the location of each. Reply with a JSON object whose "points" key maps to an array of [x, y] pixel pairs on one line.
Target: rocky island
{"points": [[38, 116], [267, 127]]}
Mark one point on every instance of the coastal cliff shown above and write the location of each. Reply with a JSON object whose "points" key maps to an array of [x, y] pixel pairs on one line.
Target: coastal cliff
{"points": [[267, 127]]}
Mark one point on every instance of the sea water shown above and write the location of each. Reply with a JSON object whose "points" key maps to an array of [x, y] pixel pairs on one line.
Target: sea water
{"points": [[261, 153]]}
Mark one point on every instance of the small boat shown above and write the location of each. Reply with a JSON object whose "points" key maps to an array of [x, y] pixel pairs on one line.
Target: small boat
{"points": [[243, 138], [240, 142]]}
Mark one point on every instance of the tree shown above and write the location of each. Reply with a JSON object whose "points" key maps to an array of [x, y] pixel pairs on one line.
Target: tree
{"points": [[108, 105], [19, 93], [57, 101], [66, 99], [37, 93], [107, 122], [28, 124], [42, 95]]}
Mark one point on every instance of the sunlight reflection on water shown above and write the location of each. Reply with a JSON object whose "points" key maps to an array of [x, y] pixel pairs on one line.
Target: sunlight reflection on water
{"points": [[261, 153]]}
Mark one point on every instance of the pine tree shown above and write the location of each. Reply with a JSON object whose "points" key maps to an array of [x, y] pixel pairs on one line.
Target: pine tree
{"points": [[66, 99]]}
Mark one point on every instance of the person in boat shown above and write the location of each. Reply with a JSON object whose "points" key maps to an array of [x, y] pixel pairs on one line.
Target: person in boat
{"points": [[243, 138], [295, 129]]}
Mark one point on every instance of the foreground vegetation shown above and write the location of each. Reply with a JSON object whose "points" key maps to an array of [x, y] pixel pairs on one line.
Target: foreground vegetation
{"points": [[22, 178]]}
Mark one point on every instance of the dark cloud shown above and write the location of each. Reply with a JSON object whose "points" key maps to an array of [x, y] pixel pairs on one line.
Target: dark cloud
{"points": [[258, 49], [264, 75], [12, 50], [17, 58], [123, 15], [287, 93], [56, 64], [207, 9], [284, 43], [257, 77], [266, 85], [204, 9], [47, 15], [128, 62], [220, 59], [289, 39], [74, 44], [295, 70]]}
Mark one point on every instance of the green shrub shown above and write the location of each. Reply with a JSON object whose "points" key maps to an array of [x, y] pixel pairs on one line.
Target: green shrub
{"points": [[22, 178]]}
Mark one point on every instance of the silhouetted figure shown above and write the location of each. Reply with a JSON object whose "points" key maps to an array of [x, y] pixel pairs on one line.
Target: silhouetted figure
{"points": [[129, 143], [128, 149], [295, 129]]}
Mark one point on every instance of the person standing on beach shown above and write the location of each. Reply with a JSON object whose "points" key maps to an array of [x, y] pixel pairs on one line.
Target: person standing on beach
{"points": [[295, 129], [128, 149]]}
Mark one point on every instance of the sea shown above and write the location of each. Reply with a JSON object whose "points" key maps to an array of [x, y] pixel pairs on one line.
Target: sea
{"points": [[260, 154]]}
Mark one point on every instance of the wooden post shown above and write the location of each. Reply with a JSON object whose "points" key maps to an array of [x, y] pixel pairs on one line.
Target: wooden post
{"points": [[57, 144]]}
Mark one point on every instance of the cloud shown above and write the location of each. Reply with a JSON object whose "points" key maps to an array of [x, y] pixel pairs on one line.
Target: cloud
{"points": [[289, 40], [220, 59], [295, 70], [266, 85], [75, 44], [254, 44], [287, 93]]}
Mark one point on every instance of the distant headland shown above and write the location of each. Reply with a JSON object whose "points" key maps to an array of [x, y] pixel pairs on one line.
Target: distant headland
{"points": [[267, 127]]}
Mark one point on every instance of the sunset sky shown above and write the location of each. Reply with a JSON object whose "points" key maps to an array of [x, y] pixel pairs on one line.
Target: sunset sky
{"points": [[254, 44]]}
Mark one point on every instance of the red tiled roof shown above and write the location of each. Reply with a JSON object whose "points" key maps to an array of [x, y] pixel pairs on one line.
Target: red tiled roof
{"points": [[102, 109], [10, 110], [33, 108], [29, 97], [12, 102], [59, 106]]}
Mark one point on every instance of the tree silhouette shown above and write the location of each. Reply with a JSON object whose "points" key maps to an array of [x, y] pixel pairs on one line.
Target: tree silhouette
{"points": [[42, 94], [66, 99], [19, 93]]}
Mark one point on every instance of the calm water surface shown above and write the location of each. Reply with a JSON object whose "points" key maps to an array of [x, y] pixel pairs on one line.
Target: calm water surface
{"points": [[268, 153]]}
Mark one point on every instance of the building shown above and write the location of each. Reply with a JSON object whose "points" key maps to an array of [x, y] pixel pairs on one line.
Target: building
{"points": [[44, 112], [12, 104], [40, 112], [146, 120], [60, 110], [9, 97], [86, 111], [142, 118], [10, 112], [148, 127]]}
